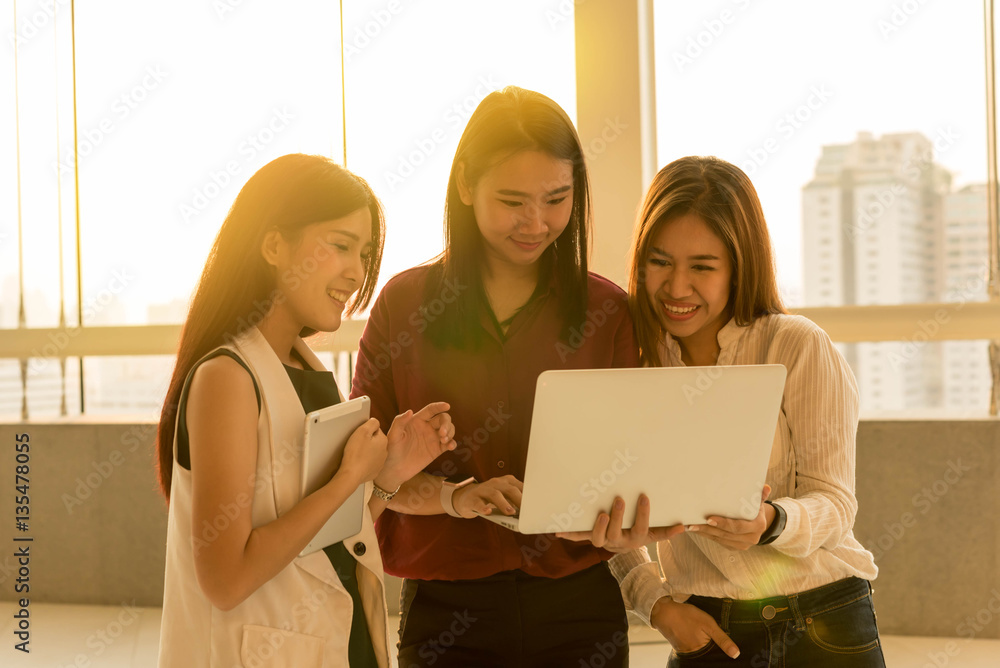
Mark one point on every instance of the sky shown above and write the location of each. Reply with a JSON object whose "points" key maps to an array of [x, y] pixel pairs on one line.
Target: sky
{"points": [[178, 104]]}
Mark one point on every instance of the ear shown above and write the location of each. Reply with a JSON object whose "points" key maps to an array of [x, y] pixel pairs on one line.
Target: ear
{"points": [[272, 246], [464, 191]]}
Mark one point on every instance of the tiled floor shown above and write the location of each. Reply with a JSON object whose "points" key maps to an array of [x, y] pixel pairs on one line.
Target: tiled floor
{"points": [[80, 636]]}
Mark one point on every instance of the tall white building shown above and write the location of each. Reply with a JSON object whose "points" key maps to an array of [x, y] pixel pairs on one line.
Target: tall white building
{"points": [[967, 379], [872, 231]]}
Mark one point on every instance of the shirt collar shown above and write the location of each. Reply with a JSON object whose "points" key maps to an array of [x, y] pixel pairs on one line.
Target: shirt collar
{"points": [[729, 335]]}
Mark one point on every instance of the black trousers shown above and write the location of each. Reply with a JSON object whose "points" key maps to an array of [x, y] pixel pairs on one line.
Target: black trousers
{"points": [[512, 619]]}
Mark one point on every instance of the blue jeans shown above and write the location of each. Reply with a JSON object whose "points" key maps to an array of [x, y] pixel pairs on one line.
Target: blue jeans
{"points": [[833, 625]]}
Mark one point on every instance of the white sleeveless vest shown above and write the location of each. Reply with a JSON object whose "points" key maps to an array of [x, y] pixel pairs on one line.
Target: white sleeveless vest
{"points": [[301, 618]]}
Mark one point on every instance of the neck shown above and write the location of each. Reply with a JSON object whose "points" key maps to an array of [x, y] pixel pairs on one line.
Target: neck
{"points": [[702, 348], [280, 330], [499, 273]]}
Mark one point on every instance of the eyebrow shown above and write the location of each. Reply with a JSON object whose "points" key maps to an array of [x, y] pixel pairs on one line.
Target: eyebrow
{"points": [[664, 253], [518, 193]]}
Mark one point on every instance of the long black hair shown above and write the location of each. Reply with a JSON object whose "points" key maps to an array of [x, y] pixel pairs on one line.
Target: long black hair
{"points": [[506, 122]]}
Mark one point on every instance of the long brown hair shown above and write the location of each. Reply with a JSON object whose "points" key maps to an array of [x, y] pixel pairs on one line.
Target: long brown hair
{"points": [[723, 196], [506, 122], [237, 287]]}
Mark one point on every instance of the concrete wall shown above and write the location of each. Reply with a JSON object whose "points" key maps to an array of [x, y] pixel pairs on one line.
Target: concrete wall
{"points": [[929, 495]]}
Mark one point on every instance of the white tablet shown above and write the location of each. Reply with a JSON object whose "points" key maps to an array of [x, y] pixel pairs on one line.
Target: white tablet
{"points": [[327, 431]]}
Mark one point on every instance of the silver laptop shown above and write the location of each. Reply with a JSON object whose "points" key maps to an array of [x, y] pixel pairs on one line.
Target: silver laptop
{"points": [[695, 440]]}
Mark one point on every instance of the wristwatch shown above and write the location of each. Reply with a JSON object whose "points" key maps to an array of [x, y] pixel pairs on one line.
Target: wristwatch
{"points": [[384, 494], [777, 525], [448, 487]]}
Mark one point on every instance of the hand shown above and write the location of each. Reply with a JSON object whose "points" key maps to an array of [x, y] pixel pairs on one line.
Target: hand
{"points": [[503, 493], [688, 628], [608, 532], [364, 453], [415, 440], [738, 534]]}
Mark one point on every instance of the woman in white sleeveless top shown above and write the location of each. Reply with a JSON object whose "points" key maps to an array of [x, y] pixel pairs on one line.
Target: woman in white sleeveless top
{"points": [[300, 247]]}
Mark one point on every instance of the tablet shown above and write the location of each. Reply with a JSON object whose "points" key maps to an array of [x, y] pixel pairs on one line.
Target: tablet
{"points": [[327, 431]]}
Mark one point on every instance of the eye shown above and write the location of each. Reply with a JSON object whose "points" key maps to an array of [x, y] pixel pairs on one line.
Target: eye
{"points": [[509, 202], [703, 267], [659, 262], [556, 201]]}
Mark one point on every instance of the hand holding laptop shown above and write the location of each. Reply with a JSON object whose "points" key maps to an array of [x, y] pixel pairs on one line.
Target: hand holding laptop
{"points": [[608, 533]]}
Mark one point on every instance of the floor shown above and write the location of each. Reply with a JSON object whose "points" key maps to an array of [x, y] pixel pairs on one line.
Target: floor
{"points": [[82, 636]]}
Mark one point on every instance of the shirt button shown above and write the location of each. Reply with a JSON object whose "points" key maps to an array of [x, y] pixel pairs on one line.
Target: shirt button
{"points": [[360, 549], [500, 464], [732, 559]]}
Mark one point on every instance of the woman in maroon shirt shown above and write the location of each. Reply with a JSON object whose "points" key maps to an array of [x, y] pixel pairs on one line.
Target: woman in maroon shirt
{"points": [[510, 297]]}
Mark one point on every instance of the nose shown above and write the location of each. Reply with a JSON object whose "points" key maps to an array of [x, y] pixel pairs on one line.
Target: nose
{"points": [[677, 283], [354, 270], [532, 221]]}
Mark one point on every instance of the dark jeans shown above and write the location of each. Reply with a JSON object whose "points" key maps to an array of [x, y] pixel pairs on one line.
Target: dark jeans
{"points": [[514, 619], [832, 625]]}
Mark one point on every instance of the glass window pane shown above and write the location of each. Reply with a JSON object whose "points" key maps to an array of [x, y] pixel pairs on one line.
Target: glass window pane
{"points": [[208, 93], [855, 133], [415, 75]]}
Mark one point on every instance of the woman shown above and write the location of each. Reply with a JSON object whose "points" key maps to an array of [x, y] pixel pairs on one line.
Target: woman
{"points": [[791, 587], [300, 247], [509, 298]]}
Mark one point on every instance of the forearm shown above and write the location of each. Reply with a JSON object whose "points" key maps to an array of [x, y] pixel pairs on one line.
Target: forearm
{"points": [[228, 579], [420, 495], [640, 580]]}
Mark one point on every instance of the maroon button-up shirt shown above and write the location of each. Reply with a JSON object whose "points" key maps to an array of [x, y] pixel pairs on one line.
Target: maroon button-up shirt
{"points": [[491, 391]]}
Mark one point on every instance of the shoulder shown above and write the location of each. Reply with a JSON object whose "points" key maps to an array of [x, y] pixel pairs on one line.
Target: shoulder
{"points": [[602, 292], [221, 381], [797, 341]]}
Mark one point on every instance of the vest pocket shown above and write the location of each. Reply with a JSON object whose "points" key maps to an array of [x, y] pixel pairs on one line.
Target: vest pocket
{"points": [[266, 647]]}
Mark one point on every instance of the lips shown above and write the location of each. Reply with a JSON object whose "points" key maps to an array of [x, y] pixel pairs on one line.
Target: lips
{"points": [[524, 245], [679, 312], [339, 295]]}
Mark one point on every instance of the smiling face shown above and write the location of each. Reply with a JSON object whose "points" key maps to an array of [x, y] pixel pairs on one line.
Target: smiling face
{"points": [[318, 273], [522, 204], [688, 279]]}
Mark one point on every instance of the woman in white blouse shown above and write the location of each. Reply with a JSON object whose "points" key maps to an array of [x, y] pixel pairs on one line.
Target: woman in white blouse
{"points": [[791, 587]]}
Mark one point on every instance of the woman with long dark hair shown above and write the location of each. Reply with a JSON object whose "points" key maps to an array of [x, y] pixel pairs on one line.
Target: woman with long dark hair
{"points": [[300, 247], [510, 297]]}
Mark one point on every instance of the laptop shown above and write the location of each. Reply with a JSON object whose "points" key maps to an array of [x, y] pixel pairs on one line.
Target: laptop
{"points": [[326, 434], [695, 440]]}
